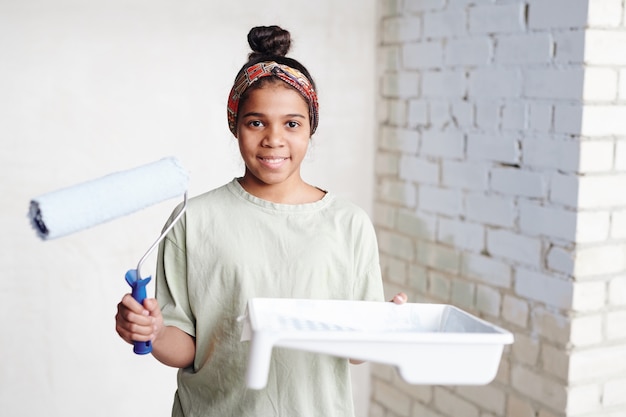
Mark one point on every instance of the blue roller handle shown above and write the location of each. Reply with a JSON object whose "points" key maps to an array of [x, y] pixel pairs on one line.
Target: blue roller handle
{"points": [[139, 294]]}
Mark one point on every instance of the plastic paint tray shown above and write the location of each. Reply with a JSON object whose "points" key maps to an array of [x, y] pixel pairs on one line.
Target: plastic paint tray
{"points": [[434, 344]]}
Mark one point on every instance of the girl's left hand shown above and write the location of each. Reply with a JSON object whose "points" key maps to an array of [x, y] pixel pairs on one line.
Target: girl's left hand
{"points": [[399, 298]]}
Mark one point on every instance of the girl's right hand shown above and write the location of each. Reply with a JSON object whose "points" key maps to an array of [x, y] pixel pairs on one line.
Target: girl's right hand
{"points": [[134, 322]]}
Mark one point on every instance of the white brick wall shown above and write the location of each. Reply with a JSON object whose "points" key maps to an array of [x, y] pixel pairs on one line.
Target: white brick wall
{"points": [[508, 129], [506, 121]]}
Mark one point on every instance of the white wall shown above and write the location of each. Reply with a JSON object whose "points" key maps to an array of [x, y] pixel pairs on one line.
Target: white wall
{"points": [[89, 88]]}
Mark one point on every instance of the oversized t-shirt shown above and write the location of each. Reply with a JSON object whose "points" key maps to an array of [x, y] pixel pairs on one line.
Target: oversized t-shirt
{"points": [[231, 246]]}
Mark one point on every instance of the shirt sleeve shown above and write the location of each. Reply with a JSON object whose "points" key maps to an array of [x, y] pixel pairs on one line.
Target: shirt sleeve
{"points": [[171, 281], [368, 284]]}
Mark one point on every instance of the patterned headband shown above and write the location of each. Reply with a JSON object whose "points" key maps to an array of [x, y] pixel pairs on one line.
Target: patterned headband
{"points": [[291, 76]]}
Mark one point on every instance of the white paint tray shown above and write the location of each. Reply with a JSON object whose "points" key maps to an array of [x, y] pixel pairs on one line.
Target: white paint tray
{"points": [[433, 344]]}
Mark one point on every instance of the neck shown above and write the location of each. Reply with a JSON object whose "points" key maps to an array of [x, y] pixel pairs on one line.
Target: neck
{"points": [[293, 192]]}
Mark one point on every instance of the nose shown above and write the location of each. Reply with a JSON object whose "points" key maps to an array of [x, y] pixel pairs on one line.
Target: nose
{"points": [[273, 137]]}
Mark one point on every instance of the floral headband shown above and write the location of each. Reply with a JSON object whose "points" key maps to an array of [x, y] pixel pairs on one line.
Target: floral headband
{"points": [[291, 76]]}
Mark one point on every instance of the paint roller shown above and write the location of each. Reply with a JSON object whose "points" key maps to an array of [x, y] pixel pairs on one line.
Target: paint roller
{"points": [[75, 208]]}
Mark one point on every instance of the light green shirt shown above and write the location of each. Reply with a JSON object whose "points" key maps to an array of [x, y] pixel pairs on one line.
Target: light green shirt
{"points": [[231, 246]]}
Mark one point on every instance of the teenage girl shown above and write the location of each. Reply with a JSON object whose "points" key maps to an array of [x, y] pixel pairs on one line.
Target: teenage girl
{"points": [[265, 234]]}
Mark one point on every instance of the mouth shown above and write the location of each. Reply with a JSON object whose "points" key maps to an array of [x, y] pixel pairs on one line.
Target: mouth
{"points": [[273, 161]]}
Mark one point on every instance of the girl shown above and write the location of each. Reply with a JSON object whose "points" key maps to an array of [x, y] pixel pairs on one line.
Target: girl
{"points": [[266, 234]]}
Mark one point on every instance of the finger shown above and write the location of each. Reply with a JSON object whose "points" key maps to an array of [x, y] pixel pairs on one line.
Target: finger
{"points": [[399, 298]]}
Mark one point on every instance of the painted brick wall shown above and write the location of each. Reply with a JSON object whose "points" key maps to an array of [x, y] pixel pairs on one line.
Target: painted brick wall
{"points": [[501, 189]]}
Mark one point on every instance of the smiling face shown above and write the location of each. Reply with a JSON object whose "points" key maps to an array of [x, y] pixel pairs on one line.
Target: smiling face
{"points": [[273, 130]]}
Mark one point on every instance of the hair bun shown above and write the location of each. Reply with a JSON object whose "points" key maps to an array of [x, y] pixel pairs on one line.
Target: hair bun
{"points": [[268, 41]]}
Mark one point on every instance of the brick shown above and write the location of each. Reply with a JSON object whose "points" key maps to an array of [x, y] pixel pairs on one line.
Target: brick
{"points": [[616, 325], [494, 147], [417, 113], [490, 210], [401, 29], [439, 114], [529, 48], [599, 260], [398, 192], [384, 215], [487, 270], [399, 246], [495, 83], [400, 85], [613, 393], [462, 294], [440, 200], [386, 163], [584, 399], [559, 259], [465, 175], [589, 296], [620, 155], [463, 235], [617, 291], [605, 13], [553, 291], [448, 143], [514, 247], [545, 152], [601, 362], [398, 139], [420, 410], [423, 5], [453, 405], [568, 118], [554, 83], [538, 220], [391, 398], [519, 182], [447, 83], [463, 113], [526, 349], [468, 51], [490, 398], [564, 190], [603, 47], [419, 225], [604, 120], [569, 46], [586, 331], [396, 112], [519, 407], [618, 224], [421, 170], [389, 57], [514, 116], [487, 114], [395, 270], [596, 156], [418, 279], [540, 116], [439, 257], [497, 18], [488, 300], [439, 286], [538, 387], [422, 55], [555, 360], [600, 84], [515, 310], [593, 226], [549, 14], [443, 24], [598, 191]]}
